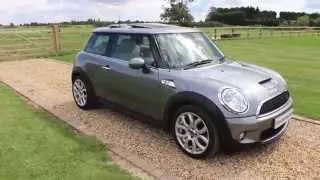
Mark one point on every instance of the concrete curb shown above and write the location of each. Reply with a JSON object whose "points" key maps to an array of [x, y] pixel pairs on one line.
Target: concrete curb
{"points": [[128, 161], [304, 119]]}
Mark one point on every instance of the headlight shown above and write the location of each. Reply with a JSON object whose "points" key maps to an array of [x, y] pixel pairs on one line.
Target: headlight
{"points": [[233, 100]]}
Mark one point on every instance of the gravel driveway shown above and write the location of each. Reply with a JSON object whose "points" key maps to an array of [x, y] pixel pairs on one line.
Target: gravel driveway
{"points": [[295, 156]]}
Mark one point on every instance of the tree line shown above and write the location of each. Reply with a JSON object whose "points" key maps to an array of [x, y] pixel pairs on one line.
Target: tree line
{"points": [[178, 12], [254, 16]]}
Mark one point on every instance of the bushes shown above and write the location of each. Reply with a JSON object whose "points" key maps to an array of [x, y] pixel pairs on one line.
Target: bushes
{"points": [[303, 21], [231, 18], [243, 16]]}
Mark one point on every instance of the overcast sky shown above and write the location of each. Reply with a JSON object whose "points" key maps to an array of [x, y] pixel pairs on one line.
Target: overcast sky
{"points": [[25, 11]]}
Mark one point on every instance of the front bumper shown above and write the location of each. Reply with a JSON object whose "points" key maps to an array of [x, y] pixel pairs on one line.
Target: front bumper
{"points": [[261, 129]]}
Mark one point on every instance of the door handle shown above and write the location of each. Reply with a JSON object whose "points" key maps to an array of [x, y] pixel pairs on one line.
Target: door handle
{"points": [[106, 67]]}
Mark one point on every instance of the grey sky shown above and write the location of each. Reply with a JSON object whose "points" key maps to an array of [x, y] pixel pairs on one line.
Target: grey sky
{"points": [[25, 11]]}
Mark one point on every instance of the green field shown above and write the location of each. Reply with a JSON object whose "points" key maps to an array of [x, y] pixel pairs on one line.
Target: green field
{"points": [[296, 58], [18, 43], [34, 145], [26, 42]]}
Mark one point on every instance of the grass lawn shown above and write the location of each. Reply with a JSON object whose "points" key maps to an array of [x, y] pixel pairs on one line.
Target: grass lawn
{"points": [[296, 58], [67, 57], [34, 145]]}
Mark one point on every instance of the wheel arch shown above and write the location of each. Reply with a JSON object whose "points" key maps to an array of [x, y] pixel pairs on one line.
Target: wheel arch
{"points": [[77, 71], [191, 98]]}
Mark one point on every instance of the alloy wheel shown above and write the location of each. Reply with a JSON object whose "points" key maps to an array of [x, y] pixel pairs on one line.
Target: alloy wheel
{"points": [[192, 133], [80, 92]]}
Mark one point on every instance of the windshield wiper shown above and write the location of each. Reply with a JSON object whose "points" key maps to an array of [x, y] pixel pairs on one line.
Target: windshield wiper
{"points": [[197, 63]]}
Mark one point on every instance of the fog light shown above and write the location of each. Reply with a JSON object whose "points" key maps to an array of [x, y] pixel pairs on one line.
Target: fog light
{"points": [[242, 135]]}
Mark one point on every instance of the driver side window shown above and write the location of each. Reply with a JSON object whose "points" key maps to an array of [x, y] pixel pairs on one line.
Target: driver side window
{"points": [[129, 46]]}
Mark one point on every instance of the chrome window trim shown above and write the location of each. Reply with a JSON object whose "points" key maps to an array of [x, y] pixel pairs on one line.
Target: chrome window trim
{"points": [[116, 59]]}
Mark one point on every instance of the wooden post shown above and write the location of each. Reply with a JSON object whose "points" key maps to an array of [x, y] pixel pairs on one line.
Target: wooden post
{"points": [[260, 33], [56, 37], [215, 33]]}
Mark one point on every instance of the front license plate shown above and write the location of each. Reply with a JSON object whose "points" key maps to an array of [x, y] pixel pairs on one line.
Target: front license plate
{"points": [[281, 120]]}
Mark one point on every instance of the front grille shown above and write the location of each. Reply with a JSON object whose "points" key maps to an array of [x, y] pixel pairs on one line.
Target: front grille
{"points": [[274, 103]]}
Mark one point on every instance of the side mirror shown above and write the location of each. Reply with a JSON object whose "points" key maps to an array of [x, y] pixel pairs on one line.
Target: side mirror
{"points": [[137, 63]]}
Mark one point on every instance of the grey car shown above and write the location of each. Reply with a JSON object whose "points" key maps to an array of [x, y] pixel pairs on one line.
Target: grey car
{"points": [[178, 78]]}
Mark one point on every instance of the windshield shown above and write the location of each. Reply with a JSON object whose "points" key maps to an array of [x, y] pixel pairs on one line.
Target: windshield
{"points": [[182, 49]]}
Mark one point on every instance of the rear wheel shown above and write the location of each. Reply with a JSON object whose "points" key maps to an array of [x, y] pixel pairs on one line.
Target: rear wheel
{"points": [[83, 93], [195, 132]]}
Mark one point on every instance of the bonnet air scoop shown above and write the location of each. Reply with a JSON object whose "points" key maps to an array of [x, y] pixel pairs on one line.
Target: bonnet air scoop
{"points": [[265, 81]]}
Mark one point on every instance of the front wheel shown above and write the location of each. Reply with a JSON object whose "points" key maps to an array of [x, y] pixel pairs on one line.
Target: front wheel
{"points": [[195, 132]]}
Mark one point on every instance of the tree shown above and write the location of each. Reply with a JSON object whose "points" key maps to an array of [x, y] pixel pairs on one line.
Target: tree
{"points": [[232, 18], [181, 1], [316, 22], [314, 15], [291, 16], [178, 12], [303, 20]]}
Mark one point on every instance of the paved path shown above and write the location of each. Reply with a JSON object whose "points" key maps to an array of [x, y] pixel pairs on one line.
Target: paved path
{"points": [[47, 82]]}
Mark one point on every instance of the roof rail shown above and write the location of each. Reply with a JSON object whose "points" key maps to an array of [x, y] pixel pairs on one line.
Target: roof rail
{"points": [[118, 25], [140, 25]]}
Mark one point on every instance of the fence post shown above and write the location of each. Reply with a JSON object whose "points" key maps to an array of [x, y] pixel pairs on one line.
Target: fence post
{"points": [[215, 33], [56, 37], [260, 33]]}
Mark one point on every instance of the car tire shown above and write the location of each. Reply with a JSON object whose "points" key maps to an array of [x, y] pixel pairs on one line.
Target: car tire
{"points": [[189, 135], [83, 93]]}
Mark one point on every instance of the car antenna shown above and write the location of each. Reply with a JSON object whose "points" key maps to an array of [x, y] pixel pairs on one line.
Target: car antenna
{"points": [[119, 19]]}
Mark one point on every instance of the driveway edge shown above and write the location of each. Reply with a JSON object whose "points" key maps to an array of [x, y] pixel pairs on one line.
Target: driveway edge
{"points": [[304, 119], [127, 161]]}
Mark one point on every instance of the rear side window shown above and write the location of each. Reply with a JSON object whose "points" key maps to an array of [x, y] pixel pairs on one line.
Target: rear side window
{"points": [[98, 44]]}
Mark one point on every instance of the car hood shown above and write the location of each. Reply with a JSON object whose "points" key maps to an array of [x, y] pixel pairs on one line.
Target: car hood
{"points": [[249, 79], [233, 74]]}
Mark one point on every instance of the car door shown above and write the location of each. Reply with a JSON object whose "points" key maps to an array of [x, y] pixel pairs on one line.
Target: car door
{"points": [[96, 61], [134, 89]]}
